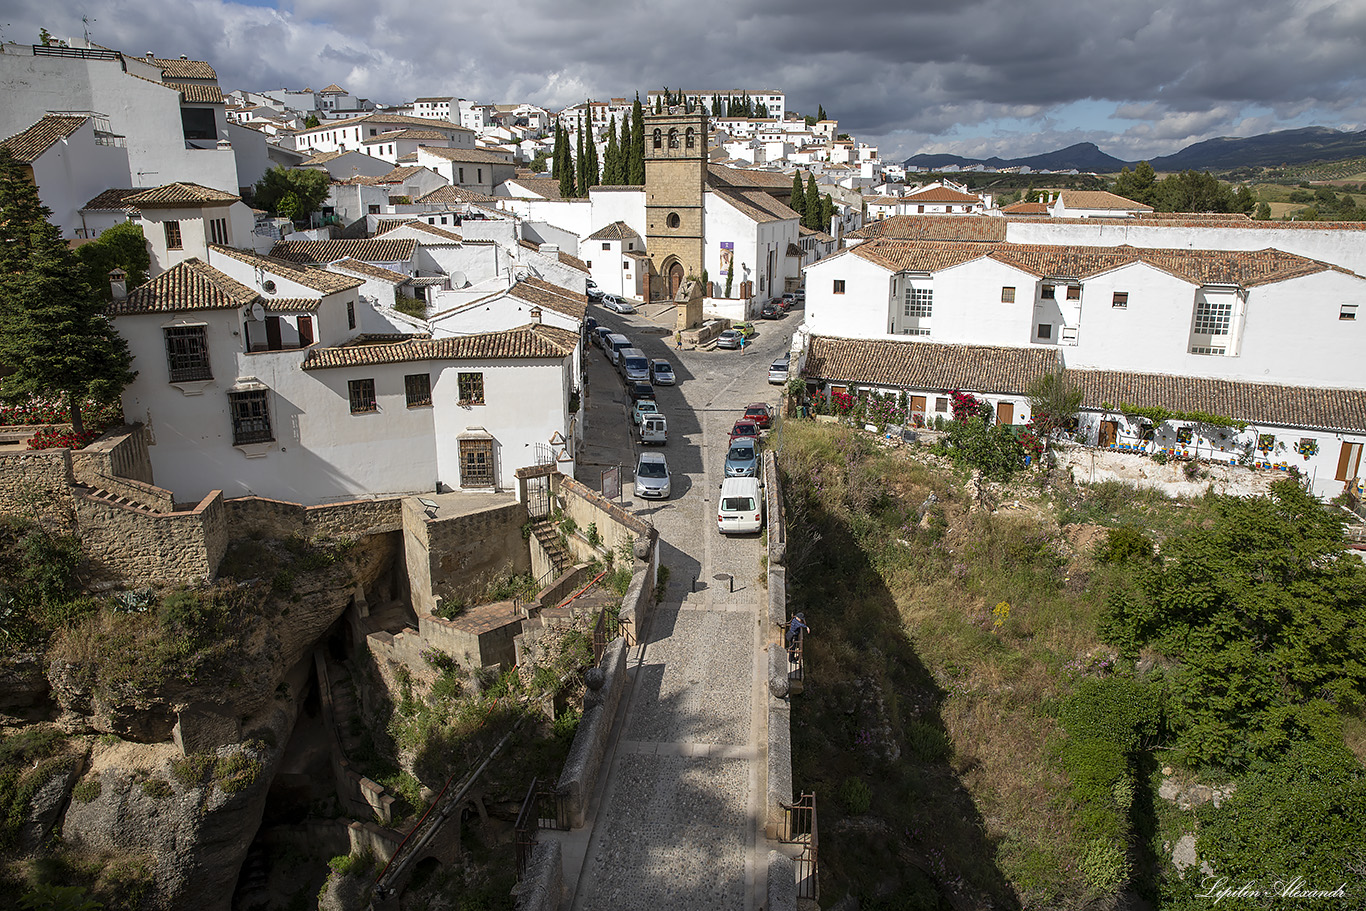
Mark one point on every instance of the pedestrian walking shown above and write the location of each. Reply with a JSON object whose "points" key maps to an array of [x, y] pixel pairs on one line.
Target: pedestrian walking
{"points": [[678, 340]]}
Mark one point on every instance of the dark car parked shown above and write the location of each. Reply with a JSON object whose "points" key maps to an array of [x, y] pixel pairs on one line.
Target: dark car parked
{"points": [[638, 391], [771, 311]]}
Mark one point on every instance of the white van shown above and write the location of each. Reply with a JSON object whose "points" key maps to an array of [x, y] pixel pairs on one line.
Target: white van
{"points": [[654, 429], [613, 345], [741, 508]]}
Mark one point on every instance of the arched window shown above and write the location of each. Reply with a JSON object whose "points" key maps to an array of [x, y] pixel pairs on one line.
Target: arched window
{"points": [[673, 139], [659, 138], [690, 138]]}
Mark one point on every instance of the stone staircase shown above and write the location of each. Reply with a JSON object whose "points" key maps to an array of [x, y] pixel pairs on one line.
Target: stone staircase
{"points": [[113, 499], [548, 534], [343, 705]]}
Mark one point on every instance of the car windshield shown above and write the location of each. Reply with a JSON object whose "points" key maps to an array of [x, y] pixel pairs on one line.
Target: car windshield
{"points": [[755, 410], [652, 470], [744, 427], [663, 368], [737, 504], [646, 405], [742, 454]]}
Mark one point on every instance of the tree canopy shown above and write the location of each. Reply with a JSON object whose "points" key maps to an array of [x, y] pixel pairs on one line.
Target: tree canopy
{"points": [[54, 333], [121, 246], [293, 193]]}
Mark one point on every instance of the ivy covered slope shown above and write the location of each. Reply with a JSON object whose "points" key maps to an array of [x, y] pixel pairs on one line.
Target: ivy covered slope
{"points": [[1031, 706]]}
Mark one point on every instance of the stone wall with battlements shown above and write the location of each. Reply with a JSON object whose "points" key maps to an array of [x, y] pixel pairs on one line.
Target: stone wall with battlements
{"points": [[135, 546]]}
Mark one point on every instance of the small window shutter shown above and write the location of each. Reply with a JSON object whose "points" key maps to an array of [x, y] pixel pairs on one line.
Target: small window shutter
{"points": [[305, 331]]}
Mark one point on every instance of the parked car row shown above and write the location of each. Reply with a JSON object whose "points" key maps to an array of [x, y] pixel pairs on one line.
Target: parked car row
{"points": [[740, 509]]}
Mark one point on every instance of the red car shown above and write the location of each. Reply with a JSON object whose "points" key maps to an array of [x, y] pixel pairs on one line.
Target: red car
{"points": [[744, 428], [759, 414]]}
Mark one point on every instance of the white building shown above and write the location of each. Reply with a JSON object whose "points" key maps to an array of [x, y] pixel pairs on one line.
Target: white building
{"points": [[480, 170], [615, 256], [354, 132], [256, 378], [170, 112], [774, 101], [70, 159]]}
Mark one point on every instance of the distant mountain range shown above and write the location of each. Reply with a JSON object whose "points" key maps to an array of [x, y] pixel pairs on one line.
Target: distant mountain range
{"points": [[1284, 147]]}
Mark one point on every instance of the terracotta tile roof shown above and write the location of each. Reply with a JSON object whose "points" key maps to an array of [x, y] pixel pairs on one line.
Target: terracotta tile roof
{"points": [[380, 118], [1257, 403], [1100, 199], [114, 199], [720, 175], [371, 271], [544, 187], [941, 194], [935, 227], [402, 173], [574, 262], [195, 93], [821, 236], [544, 294], [1025, 208], [188, 285], [476, 156], [325, 157], [183, 69], [438, 235], [405, 133], [617, 230], [180, 195], [928, 365], [308, 276], [451, 195], [756, 205], [317, 252], [28, 145], [291, 304], [333, 89], [1189, 220], [536, 341], [1243, 268]]}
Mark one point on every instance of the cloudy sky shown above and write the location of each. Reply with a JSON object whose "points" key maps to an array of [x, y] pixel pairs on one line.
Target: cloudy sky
{"points": [[972, 77]]}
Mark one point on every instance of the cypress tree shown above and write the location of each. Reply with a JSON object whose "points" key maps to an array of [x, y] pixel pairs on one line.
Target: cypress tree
{"points": [[637, 174], [580, 162], [54, 332], [610, 167], [557, 156], [827, 212], [820, 112], [812, 208], [591, 168], [798, 195]]}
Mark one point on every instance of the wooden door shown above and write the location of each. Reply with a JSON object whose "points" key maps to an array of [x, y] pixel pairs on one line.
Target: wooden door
{"points": [[1109, 430], [917, 404], [1005, 413], [1349, 462], [675, 279], [273, 342]]}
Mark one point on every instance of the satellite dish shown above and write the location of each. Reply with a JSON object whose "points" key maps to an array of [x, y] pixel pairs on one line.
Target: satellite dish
{"points": [[521, 273], [458, 280], [256, 312]]}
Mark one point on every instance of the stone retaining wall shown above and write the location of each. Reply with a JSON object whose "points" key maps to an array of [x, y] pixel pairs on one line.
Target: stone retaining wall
{"points": [[542, 886], [118, 462], [282, 519], [782, 887], [586, 753], [143, 548], [37, 484], [615, 525]]}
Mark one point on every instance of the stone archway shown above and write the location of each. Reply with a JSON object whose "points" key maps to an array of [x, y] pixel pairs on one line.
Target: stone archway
{"points": [[675, 279]]}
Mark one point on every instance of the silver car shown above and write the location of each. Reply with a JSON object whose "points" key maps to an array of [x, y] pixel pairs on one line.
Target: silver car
{"points": [[742, 459], [729, 338], [652, 476]]}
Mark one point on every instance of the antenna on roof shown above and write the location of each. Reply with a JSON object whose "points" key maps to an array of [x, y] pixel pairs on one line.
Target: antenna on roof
{"points": [[86, 20]]}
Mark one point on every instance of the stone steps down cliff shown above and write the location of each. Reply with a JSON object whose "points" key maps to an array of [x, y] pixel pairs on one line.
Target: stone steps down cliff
{"points": [[548, 535], [114, 499], [343, 705]]}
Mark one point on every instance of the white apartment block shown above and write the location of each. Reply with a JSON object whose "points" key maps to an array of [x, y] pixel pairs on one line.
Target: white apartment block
{"points": [[775, 102]]}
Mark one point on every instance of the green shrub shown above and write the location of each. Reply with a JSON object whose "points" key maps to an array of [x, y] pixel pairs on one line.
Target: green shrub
{"points": [[193, 770], [993, 450], [87, 790], [352, 864], [1125, 544], [235, 772], [158, 788], [856, 796], [926, 742], [1105, 866]]}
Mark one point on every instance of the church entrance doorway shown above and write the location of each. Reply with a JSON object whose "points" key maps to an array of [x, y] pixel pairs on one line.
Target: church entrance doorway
{"points": [[675, 279]]}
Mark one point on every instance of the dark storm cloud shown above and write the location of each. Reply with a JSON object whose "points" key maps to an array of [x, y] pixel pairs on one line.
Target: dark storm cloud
{"points": [[988, 76]]}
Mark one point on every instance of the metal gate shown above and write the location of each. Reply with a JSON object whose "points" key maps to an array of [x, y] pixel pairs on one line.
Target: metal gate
{"points": [[538, 497]]}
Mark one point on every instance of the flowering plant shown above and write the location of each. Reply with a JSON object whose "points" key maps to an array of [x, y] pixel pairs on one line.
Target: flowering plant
{"points": [[967, 406]]}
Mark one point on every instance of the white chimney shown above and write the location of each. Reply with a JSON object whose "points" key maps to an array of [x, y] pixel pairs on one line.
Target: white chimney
{"points": [[536, 314], [118, 284], [550, 249]]}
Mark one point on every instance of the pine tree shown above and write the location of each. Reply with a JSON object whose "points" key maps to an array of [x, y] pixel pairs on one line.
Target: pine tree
{"points": [[811, 211], [637, 175], [610, 166], [798, 194], [54, 333]]}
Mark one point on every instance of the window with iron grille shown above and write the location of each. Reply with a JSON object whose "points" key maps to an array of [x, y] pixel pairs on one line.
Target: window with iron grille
{"points": [[476, 463], [172, 229], [919, 302], [187, 354], [1212, 317], [417, 387], [250, 417], [1008, 295], [471, 387], [362, 396]]}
